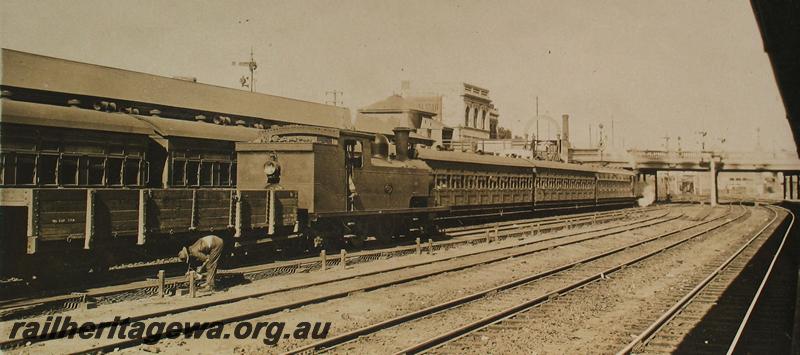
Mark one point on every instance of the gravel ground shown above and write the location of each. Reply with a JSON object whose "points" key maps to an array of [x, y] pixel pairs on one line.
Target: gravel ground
{"points": [[344, 314], [369, 307], [602, 317], [401, 337]]}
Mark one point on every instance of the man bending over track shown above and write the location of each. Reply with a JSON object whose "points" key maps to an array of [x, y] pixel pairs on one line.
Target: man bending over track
{"points": [[206, 250]]}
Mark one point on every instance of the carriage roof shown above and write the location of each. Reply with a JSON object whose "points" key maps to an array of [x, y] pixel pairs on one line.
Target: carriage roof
{"points": [[472, 158], [167, 127], [33, 114]]}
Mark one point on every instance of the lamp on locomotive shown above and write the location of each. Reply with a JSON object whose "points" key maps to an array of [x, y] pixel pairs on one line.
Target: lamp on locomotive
{"points": [[272, 169]]}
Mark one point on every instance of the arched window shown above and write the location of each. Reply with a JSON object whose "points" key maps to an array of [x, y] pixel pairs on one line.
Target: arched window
{"points": [[475, 118], [466, 117], [483, 120]]}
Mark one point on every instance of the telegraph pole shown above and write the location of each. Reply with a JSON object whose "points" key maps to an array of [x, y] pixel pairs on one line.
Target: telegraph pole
{"points": [[336, 94], [537, 120], [252, 66], [703, 135]]}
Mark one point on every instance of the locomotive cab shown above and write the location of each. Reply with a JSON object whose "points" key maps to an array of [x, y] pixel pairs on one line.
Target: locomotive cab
{"points": [[350, 187]]}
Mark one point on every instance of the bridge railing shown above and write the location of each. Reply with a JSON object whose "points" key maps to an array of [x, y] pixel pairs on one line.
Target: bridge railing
{"points": [[735, 157], [662, 155]]}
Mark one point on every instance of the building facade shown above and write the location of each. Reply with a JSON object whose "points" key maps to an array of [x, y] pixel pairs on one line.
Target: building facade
{"points": [[395, 111], [464, 107]]}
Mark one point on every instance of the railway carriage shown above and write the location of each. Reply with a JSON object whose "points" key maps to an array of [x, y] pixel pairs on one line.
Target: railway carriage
{"points": [[89, 189], [561, 186], [615, 186], [474, 185]]}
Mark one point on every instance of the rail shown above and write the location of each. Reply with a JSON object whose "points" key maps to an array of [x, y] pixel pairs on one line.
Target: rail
{"points": [[761, 287], [667, 316], [327, 344]]}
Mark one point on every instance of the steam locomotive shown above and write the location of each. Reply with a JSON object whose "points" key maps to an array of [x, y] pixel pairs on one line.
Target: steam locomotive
{"points": [[86, 187]]}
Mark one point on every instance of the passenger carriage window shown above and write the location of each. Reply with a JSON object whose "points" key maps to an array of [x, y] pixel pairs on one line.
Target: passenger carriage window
{"points": [[206, 177], [224, 174], [215, 174], [178, 172], [68, 171], [114, 171], [46, 171], [83, 171], [25, 168], [96, 170], [192, 171], [132, 169]]}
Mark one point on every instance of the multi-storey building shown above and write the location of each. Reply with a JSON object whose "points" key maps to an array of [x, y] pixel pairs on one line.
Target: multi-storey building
{"points": [[466, 108]]}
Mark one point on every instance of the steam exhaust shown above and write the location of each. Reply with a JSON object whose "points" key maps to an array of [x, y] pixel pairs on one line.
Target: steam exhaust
{"points": [[648, 196]]}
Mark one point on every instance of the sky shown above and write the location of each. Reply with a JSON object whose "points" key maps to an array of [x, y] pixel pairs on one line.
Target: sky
{"points": [[655, 68]]}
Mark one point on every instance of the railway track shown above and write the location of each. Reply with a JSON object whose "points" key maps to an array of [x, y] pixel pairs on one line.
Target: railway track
{"points": [[461, 236], [515, 322], [493, 303], [670, 331], [477, 258]]}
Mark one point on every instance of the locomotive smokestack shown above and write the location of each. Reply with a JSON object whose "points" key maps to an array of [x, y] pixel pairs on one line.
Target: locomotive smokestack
{"points": [[380, 147], [401, 142]]}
